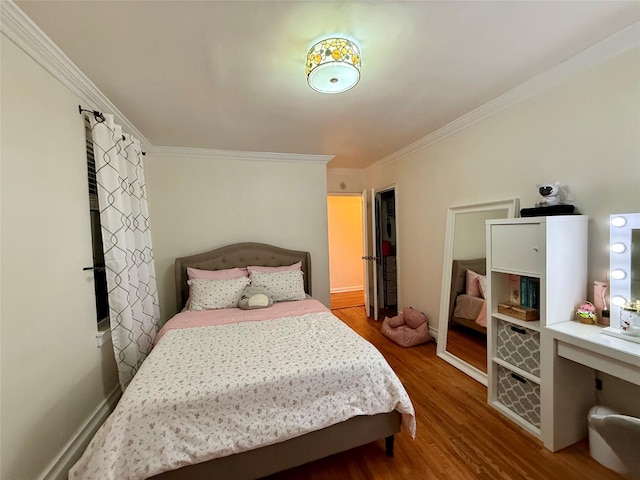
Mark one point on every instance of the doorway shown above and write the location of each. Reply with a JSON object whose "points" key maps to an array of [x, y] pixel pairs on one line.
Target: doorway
{"points": [[386, 258], [346, 274]]}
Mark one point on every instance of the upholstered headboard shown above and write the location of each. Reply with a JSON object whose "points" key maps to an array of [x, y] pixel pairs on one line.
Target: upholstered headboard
{"points": [[239, 255], [459, 277]]}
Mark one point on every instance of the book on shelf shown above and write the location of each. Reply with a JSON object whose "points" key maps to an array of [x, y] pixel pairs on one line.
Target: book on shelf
{"points": [[514, 288], [534, 293], [524, 291]]}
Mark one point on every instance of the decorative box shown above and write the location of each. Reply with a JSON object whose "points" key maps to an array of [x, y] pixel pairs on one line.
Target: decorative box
{"points": [[519, 395], [519, 346], [526, 314]]}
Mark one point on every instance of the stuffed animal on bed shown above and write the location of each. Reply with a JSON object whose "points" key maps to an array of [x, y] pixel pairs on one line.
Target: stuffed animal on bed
{"points": [[254, 297], [407, 329]]}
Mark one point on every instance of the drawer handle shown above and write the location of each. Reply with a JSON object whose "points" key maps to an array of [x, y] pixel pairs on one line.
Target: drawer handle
{"points": [[535, 249], [520, 330], [518, 378]]}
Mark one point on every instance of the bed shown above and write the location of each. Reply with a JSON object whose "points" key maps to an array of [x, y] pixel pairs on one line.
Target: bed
{"points": [[263, 430], [467, 310]]}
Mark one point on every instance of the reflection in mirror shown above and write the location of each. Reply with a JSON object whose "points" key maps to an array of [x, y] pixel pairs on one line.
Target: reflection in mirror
{"points": [[624, 264], [462, 332]]}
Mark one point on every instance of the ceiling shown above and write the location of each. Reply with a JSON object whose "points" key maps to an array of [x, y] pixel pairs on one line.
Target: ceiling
{"points": [[230, 75]]}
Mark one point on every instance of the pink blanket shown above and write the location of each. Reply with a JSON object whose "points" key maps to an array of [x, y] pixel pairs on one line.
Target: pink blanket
{"points": [[224, 316]]}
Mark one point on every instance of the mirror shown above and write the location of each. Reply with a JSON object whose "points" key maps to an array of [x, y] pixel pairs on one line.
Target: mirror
{"points": [[462, 332], [624, 263]]}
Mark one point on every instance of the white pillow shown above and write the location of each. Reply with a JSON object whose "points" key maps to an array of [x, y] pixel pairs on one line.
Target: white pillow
{"points": [[213, 294], [282, 286]]}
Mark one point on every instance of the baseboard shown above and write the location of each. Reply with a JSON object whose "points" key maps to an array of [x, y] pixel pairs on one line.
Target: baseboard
{"points": [[346, 289], [59, 468], [434, 334]]}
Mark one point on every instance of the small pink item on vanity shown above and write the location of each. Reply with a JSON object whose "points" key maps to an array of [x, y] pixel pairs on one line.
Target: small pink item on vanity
{"points": [[587, 313]]}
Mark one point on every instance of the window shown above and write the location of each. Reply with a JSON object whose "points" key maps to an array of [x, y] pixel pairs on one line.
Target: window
{"points": [[99, 271]]}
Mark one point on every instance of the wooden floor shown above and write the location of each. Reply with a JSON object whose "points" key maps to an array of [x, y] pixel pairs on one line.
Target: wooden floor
{"points": [[468, 345], [458, 435], [347, 299]]}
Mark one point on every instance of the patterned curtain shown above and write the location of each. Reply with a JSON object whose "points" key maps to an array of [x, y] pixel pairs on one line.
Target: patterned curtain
{"points": [[131, 280]]}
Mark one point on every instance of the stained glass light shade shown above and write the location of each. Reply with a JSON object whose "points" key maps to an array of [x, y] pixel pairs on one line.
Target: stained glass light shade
{"points": [[333, 65]]}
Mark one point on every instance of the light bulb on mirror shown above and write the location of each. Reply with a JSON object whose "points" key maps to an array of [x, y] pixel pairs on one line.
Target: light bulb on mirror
{"points": [[618, 247], [619, 301], [618, 274], [618, 221]]}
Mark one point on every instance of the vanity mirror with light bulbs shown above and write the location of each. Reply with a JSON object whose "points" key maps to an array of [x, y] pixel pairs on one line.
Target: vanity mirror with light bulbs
{"points": [[624, 266], [462, 341], [575, 352]]}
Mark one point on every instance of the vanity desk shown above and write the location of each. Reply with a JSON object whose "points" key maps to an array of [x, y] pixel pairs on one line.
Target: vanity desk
{"points": [[578, 351]]}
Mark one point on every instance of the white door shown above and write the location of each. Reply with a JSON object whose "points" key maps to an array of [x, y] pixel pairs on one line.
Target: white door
{"points": [[365, 250], [370, 256]]}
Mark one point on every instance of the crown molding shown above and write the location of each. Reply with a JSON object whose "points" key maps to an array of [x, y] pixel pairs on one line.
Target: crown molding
{"points": [[238, 155], [21, 30], [27, 36], [593, 56]]}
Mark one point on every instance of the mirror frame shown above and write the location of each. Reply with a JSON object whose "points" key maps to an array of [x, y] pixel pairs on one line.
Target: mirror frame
{"points": [[512, 207], [621, 261]]}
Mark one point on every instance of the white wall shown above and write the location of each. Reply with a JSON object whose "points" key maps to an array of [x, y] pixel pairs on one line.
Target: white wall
{"points": [[197, 204], [53, 375], [345, 180], [584, 133]]}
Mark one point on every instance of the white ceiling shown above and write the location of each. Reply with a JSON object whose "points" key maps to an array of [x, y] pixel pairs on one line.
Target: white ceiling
{"points": [[229, 75]]}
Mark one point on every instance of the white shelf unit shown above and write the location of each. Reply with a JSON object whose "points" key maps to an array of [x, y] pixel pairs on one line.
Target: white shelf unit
{"points": [[554, 250]]}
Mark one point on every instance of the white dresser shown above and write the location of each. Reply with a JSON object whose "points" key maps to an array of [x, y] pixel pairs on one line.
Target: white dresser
{"points": [[547, 258]]}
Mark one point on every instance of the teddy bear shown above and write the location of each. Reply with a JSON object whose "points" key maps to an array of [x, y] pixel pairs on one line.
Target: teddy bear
{"points": [[254, 297]]}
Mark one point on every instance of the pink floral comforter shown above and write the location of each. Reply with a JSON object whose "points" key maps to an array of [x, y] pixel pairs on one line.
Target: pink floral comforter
{"points": [[209, 391]]}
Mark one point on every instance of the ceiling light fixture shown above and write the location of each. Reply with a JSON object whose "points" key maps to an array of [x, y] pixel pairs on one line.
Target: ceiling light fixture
{"points": [[333, 65]]}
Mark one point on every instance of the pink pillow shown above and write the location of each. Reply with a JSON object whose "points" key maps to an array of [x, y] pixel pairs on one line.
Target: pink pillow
{"points": [[473, 285], [286, 268], [227, 274]]}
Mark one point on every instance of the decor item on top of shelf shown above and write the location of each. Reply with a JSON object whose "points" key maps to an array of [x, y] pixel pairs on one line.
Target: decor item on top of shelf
{"points": [[550, 194], [630, 318], [586, 313], [553, 201]]}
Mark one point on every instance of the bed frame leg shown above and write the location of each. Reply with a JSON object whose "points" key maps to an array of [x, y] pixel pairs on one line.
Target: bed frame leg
{"points": [[388, 444]]}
